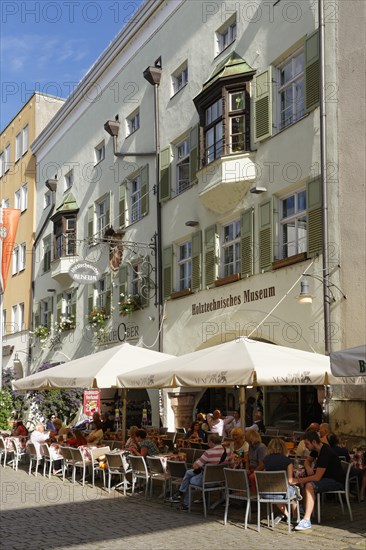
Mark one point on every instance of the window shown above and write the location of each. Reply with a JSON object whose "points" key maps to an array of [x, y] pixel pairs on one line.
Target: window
{"points": [[185, 265], [293, 224], [102, 293], [21, 316], [135, 279], [214, 131], [47, 253], [47, 199], [182, 166], [230, 246], [24, 197], [236, 142], [180, 78], [14, 318], [101, 217], [133, 122], [25, 140], [69, 180], [135, 199], [22, 256], [4, 321], [5, 203], [291, 85], [45, 313], [7, 158], [18, 146], [17, 199], [64, 231], [15, 260], [226, 35], [67, 309], [99, 152], [2, 160]]}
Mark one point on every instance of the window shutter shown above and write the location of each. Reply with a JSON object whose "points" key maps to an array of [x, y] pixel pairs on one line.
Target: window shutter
{"points": [[210, 255], [90, 222], [50, 309], [164, 187], [144, 190], [265, 235], [246, 242], [122, 282], [312, 72], [36, 315], [193, 153], [167, 271], [315, 225], [263, 105], [91, 289], [59, 307], [122, 204], [73, 303], [107, 211], [108, 296], [145, 283], [196, 260]]}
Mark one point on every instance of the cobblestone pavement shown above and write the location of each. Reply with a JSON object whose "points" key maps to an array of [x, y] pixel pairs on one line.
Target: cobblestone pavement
{"points": [[44, 514]]}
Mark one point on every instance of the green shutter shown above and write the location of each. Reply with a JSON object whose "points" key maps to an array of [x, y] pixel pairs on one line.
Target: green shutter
{"points": [[122, 205], [108, 297], [107, 211], [164, 187], [36, 315], [263, 105], [193, 153], [144, 182], [90, 298], [168, 271], [246, 242], [210, 255], [122, 282], [196, 260], [50, 309], [59, 308], [73, 303], [312, 72], [265, 235], [315, 224], [145, 283], [90, 222]]}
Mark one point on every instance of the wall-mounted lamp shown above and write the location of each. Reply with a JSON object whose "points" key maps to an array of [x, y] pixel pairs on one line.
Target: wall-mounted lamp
{"points": [[192, 223], [151, 318], [306, 298], [256, 190]]}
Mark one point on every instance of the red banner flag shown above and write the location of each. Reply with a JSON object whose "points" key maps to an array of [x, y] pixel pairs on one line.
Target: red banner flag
{"points": [[8, 230]]}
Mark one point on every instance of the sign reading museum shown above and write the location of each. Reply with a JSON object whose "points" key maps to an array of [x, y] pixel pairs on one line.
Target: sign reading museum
{"points": [[236, 300], [85, 273]]}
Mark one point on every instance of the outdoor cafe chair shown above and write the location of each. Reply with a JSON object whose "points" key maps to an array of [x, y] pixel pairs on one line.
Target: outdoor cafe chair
{"points": [[190, 454], [117, 445], [67, 460], [115, 466], [213, 480], [237, 488], [47, 459], [347, 470], [297, 436], [3, 450], [171, 435], [139, 472], [272, 431], [180, 430], [16, 451], [33, 457], [177, 472], [273, 488], [169, 445], [79, 461], [157, 472]]}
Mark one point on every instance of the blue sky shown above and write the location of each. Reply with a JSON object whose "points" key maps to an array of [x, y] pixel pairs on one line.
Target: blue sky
{"points": [[48, 46]]}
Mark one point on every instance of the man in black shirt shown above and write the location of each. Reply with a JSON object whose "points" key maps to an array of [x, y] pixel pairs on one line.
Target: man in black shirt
{"points": [[328, 476]]}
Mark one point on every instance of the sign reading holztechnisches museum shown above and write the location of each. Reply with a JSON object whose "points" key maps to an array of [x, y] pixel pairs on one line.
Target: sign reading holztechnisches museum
{"points": [[236, 300], [85, 273]]}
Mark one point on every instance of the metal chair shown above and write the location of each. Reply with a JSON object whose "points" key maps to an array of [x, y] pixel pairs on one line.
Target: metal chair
{"points": [[272, 431], [273, 488], [190, 454], [48, 459], [95, 464], [3, 450], [17, 451], [180, 430], [297, 436], [157, 472], [68, 460], [79, 461], [117, 445], [169, 444], [33, 457], [115, 466], [176, 471], [347, 470], [213, 480], [139, 471], [237, 488]]}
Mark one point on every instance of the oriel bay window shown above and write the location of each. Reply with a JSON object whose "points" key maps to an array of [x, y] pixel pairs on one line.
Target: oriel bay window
{"points": [[65, 236]]}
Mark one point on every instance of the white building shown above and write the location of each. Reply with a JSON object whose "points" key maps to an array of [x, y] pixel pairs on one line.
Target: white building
{"points": [[239, 187]]}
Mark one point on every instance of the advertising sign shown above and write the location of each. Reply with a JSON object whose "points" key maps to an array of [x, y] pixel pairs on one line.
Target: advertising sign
{"points": [[84, 272], [91, 402]]}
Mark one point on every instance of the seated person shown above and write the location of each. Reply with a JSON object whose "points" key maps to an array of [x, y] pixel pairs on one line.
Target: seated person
{"points": [[277, 460], [195, 432], [301, 450], [324, 433], [131, 441], [107, 423], [96, 435], [328, 476], [255, 457], [37, 437], [239, 448], [19, 429], [146, 446], [216, 454], [77, 439], [50, 425], [258, 424]]}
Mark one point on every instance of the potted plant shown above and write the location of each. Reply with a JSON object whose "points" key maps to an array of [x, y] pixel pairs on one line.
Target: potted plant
{"points": [[97, 318], [129, 303], [65, 323], [42, 332]]}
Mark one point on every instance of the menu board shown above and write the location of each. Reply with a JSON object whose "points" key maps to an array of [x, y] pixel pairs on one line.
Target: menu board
{"points": [[91, 402]]}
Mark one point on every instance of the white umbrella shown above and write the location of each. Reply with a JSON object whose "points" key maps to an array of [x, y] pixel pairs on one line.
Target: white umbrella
{"points": [[349, 362], [98, 370]]}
